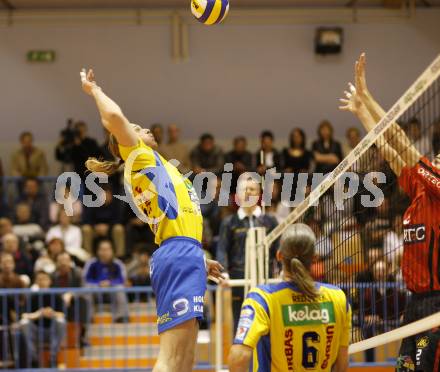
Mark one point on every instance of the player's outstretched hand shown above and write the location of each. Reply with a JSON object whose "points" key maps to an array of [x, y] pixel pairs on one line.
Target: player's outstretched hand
{"points": [[360, 76], [214, 270], [88, 81]]}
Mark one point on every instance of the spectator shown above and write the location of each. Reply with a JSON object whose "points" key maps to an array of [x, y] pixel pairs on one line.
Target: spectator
{"points": [[5, 227], [54, 207], [177, 150], [380, 304], [45, 321], [84, 147], [353, 137], [207, 156], [70, 235], [136, 231], [47, 261], [157, 132], [420, 140], [272, 158], [138, 270], [37, 201], [372, 256], [77, 305], [393, 243], [24, 227], [28, 161], [8, 277], [327, 152], [296, 158], [104, 222], [233, 232], [63, 150], [240, 158], [379, 224], [23, 260], [105, 271]]}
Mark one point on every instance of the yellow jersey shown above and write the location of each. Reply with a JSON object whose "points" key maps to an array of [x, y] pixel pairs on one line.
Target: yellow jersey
{"points": [[290, 333], [161, 194]]}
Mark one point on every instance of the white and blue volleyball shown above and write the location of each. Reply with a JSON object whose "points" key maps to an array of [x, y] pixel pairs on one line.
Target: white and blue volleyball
{"points": [[210, 12]]}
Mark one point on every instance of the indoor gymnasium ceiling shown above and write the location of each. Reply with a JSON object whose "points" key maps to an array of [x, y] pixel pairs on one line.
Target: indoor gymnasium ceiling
{"points": [[126, 4]]}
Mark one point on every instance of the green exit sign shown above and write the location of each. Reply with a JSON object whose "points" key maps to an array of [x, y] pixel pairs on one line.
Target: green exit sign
{"points": [[41, 56]]}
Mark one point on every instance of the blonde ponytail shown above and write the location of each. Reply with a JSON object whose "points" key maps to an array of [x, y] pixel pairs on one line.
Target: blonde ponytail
{"points": [[298, 251], [105, 166], [301, 277]]}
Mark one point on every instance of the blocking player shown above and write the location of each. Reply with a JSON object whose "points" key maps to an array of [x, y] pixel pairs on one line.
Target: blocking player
{"points": [[420, 179], [296, 325]]}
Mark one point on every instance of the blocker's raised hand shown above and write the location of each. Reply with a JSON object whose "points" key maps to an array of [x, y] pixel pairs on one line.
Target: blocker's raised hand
{"points": [[88, 81]]}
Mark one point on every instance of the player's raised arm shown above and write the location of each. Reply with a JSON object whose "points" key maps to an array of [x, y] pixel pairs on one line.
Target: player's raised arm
{"points": [[112, 116], [353, 103], [395, 136]]}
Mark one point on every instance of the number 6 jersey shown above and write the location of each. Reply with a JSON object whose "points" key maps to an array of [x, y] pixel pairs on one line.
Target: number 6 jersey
{"points": [[289, 332]]}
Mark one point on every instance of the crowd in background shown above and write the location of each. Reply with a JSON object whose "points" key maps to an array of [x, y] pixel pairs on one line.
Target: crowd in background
{"points": [[41, 246]]}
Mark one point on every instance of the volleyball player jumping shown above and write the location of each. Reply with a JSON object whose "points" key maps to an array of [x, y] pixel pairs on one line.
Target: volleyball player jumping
{"points": [[420, 179], [178, 267], [296, 325]]}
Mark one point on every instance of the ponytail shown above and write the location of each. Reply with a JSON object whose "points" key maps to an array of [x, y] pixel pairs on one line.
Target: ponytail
{"points": [[105, 166], [301, 277], [298, 251]]}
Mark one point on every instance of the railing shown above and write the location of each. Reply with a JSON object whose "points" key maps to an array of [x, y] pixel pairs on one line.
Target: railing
{"points": [[91, 333], [87, 335]]}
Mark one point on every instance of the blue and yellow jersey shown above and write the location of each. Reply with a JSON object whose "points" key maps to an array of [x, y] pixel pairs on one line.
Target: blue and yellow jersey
{"points": [[162, 194], [290, 333]]}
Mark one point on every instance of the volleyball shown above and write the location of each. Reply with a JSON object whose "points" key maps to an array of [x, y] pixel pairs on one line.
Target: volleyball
{"points": [[210, 12]]}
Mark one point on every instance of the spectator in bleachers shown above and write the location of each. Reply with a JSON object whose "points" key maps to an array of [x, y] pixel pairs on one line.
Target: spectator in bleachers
{"points": [[70, 235], [381, 306], [137, 232], [37, 200], [8, 277], [326, 151], [393, 243], [138, 269], [373, 255], [177, 150], [5, 227], [47, 261], [63, 150], [77, 306], [420, 140], [353, 137], [45, 321], [232, 238], [272, 158], [104, 222], [54, 207], [241, 159], [297, 158], [207, 156], [379, 223], [106, 271], [23, 260], [24, 227], [84, 147], [157, 132], [28, 161]]}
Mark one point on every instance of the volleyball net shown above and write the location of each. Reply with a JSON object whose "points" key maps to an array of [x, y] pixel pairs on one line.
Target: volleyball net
{"points": [[357, 215]]}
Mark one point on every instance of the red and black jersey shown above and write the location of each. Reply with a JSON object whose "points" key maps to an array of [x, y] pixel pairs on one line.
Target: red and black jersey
{"points": [[421, 226]]}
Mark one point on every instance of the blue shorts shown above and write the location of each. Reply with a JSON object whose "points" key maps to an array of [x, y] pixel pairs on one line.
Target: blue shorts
{"points": [[178, 276]]}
